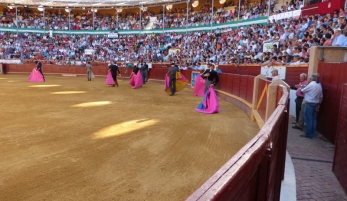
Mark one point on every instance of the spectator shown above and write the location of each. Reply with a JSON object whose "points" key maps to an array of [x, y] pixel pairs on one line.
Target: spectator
{"points": [[275, 76], [300, 95], [313, 98], [328, 40], [339, 39]]}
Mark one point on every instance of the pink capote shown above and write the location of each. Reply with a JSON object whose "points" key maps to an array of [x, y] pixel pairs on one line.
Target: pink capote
{"points": [[209, 104], [136, 80], [35, 76], [199, 86], [109, 79]]}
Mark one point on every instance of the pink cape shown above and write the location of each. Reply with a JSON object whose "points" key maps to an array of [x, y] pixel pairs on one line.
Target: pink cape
{"points": [[109, 78], [35, 76], [136, 80], [199, 86], [209, 103]]}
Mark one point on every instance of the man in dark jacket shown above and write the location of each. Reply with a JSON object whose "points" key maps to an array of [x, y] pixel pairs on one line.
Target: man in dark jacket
{"points": [[172, 81], [144, 71], [210, 76], [114, 69], [39, 68]]}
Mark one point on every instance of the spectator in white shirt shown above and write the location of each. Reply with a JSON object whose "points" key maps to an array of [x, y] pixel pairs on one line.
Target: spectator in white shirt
{"points": [[313, 98], [274, 74]]}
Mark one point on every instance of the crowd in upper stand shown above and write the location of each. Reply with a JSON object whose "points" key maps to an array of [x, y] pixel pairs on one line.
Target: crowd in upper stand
{"points": [[244, 45], [58, 20]]}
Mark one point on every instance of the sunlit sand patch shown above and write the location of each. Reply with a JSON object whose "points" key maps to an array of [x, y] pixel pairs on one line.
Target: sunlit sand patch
{"points": [[10, 81], [123, 128], [69, 92], [93, 104], [2, 78], [44, 85]]}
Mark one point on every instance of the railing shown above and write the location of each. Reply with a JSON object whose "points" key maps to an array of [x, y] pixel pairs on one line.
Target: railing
{"points": [[292, 71], [261, 20], [340, 163], [261, 102]]}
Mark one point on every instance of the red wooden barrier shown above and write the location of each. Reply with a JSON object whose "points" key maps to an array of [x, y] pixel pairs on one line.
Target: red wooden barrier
{"points": [[262, 97], [229, 68], [100, 68], [293, 74], [250, 86], [332, 76], [340, 162]]}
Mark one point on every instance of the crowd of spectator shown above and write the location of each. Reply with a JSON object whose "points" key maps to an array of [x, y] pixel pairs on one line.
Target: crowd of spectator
{"points": [[174, 18], [292, 40]]}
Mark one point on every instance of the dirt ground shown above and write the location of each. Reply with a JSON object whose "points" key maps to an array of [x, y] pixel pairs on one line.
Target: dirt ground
{"points": [[70, 139]]}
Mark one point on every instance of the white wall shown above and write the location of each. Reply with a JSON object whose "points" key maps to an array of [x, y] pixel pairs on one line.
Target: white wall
{"points": [[292, 110]]}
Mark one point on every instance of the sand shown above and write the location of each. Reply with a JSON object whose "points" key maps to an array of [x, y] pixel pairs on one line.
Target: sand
{"points": [[70, 139]]}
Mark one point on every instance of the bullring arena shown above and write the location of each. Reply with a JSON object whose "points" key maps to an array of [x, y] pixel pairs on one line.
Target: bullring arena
{"points": [[272, 73], [68, 138]]}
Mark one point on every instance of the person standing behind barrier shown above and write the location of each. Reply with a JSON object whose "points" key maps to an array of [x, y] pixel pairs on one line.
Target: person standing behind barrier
{"points": [[301, 121], [89, 71], [313, 98], [172, 81], [39, 68], [210, 76], [275, 76], [299, 95], [114, 69]]}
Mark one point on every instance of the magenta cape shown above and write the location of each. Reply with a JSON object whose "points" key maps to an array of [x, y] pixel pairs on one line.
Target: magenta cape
{"points": [[109, 78], [136, 80], [209, 103], [35, 76], [181, 82], [199, 86]]}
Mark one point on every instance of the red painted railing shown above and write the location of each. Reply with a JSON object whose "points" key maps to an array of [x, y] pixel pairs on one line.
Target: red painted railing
{"points": [[340, 162], [100, 68]]}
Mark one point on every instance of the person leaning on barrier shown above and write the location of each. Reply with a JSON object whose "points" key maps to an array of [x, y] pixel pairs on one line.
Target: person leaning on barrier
{"points": [[301, 121], [274, 74], [299, 95], [313, 98]]}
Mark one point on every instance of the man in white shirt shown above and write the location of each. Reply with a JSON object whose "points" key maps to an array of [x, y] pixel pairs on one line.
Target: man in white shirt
{"points": [[275, 76], [313, 98]]}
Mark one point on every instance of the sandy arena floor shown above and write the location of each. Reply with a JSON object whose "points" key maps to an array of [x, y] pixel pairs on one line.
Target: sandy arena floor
{"points": [[70, 139]]}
